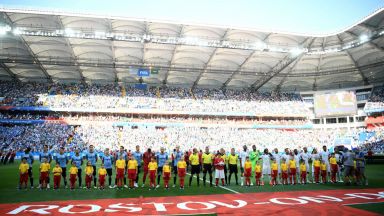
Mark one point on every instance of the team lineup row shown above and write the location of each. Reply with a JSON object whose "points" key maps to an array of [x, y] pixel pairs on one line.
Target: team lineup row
{"points": [[288, 168]]}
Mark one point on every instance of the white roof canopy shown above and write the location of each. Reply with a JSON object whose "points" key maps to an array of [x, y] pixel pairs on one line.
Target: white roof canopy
{"points": [[322, 61]]}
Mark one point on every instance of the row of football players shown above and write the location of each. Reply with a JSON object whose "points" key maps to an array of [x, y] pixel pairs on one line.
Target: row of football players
{"points": [[131, 169]]}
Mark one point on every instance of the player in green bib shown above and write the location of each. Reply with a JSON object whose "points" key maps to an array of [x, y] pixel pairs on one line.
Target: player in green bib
{"points": [[253, 157]]}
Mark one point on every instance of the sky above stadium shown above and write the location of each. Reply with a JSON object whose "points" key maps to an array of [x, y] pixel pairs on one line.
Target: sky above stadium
{"points": [[300, 16]]}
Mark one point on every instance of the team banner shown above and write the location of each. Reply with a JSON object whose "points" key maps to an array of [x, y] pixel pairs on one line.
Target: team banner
{"points": [[322, 202]]}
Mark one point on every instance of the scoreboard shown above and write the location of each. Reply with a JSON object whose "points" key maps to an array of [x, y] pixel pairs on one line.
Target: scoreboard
{"points": [[341, 103]]}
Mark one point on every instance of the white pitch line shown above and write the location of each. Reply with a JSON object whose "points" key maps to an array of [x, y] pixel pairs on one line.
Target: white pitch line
{"points": [[225, 188], [348, 197], [261, 203]]}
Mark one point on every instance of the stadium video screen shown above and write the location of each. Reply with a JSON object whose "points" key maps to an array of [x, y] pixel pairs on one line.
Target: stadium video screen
{"points": [[335, 104]]}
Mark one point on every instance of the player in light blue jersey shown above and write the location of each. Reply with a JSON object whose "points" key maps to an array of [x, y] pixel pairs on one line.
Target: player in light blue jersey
{"points": [[162, 158], [78, 159], [176, 156], [62, 160], [108, 162], [91, 156], [139, 158], [45, 155], [28, 155]]}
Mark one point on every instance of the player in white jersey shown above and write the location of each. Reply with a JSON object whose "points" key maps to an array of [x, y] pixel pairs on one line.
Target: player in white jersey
{"points": [[266, 157], [296, 155], [243, 154], [305, 155], [339, 160], [325, 158], [277, 157]]}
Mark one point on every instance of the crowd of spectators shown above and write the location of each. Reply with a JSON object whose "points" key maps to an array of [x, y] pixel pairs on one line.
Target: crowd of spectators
{"points": [[105, 135], [34, 136], [376, 101], [108, 136], [95, 117], [377, 94], [163, 98]]}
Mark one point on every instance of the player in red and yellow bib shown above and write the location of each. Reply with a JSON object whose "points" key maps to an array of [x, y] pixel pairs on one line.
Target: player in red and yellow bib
{"points": [[334, 167], [23, 170], [274, 172], [258, 173], [73, 175], [181, 171], [57, 171], [292, 169], [132, 171], [284, 172], [120, 168], [316, 166], [303, 172], [102, 174], [166, 174], [247, 171], [88, 174], [152, 167], [44, 172], [323, 167]]}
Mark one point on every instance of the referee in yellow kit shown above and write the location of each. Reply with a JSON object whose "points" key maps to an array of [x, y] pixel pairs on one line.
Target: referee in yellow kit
{"points": [[232, 165], [195, 166], [207, 165]]}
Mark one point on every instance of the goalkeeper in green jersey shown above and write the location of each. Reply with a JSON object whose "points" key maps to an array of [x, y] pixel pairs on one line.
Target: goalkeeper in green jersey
{"points": [[253, 157]]}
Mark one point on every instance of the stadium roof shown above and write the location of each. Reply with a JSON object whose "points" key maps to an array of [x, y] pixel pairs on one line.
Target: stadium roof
{"points": [[64, 47]]}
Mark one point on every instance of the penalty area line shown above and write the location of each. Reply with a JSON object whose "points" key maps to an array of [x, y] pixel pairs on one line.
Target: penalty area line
{"points": [[223, 187]]}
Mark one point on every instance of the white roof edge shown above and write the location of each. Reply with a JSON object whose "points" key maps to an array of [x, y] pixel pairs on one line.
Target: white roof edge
{"points": [[90, 15], [336, 90]]}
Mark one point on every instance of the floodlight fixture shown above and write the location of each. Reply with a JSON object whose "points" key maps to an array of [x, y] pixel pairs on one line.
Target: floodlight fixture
{"points": [[363, 38], [4, 29]]}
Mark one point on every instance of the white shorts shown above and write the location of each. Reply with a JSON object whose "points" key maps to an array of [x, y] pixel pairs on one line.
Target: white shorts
{"points": [[219, 174], [307, 166], [328, 166], [266, 170]]}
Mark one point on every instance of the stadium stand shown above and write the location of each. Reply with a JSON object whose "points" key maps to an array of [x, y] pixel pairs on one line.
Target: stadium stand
{"points": [[242, 94]]}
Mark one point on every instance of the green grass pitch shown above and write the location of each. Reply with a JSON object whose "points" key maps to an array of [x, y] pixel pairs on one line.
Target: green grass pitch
{"points": [[10, 178]]}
